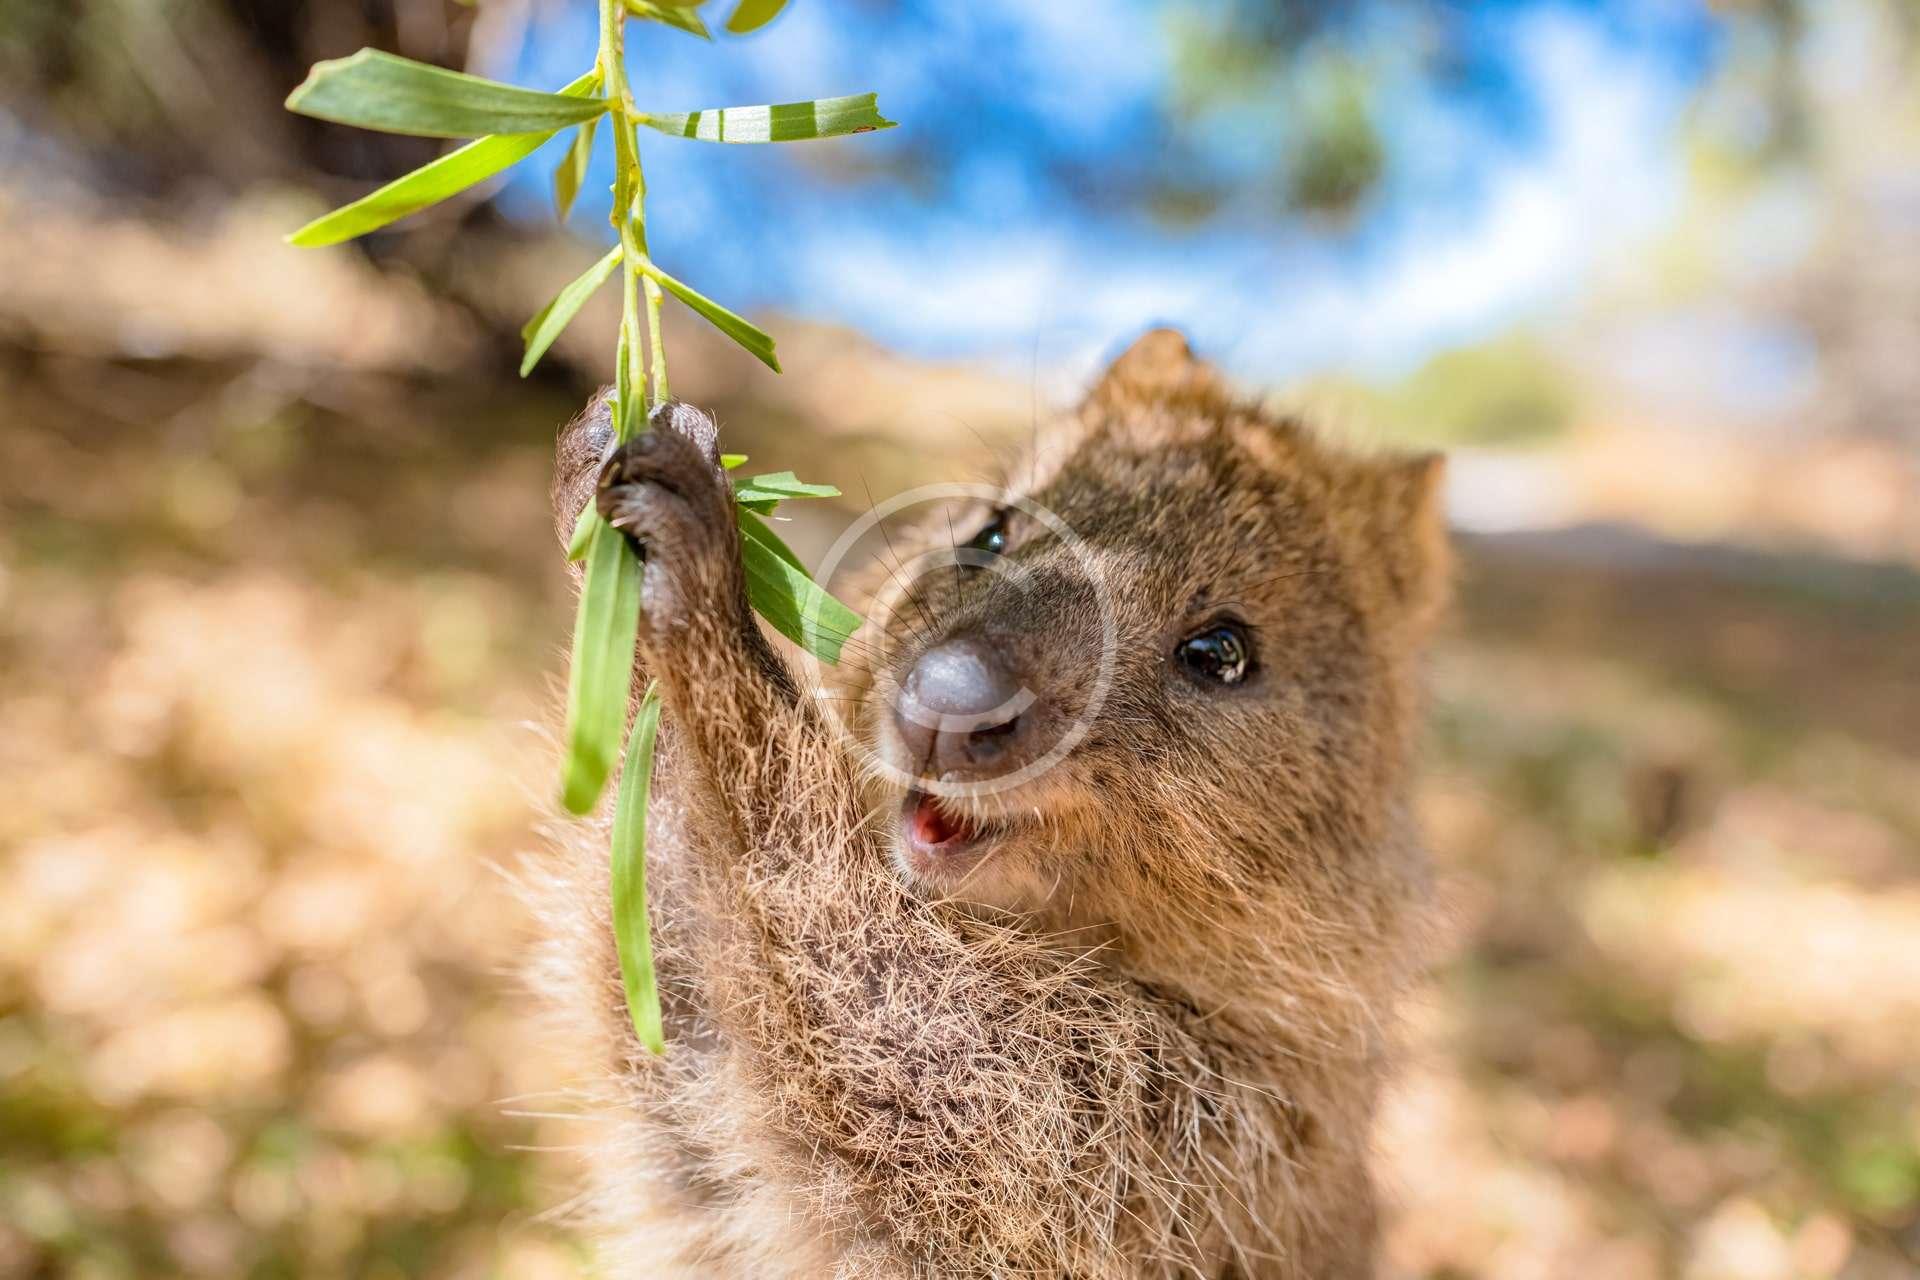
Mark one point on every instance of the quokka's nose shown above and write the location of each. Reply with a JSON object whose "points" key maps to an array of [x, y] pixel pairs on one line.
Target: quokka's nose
{"points": [[960, 709]]}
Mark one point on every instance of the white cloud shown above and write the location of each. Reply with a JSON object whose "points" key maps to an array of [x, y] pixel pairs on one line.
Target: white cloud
{"points": [[1601, 175]]}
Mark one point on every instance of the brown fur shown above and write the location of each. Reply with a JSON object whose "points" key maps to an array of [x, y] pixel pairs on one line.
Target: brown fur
{"points": [[1145, 1039]]}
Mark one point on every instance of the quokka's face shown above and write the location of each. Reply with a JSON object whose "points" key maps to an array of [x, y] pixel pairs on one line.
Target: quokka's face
{"points": [[1141, 681]]}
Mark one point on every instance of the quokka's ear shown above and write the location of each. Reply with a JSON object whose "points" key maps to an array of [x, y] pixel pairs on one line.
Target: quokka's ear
{"points": [[1157, 365], [1403, 502]]}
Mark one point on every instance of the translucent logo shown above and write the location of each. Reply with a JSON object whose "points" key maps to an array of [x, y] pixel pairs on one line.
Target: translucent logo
{"points": [[943, 559]]}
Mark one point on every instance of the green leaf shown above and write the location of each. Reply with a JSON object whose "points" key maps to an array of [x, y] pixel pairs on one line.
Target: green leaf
{"points": [[732, 460], [604, 635], [781, 592], [782, 122], [631, 934], [431, 183], [751, 15], [582, 533], [755, 529], [539, 332], [755, 340], [762, 494], [681, 16], [376, 90], [780, 486], [573, 169]]}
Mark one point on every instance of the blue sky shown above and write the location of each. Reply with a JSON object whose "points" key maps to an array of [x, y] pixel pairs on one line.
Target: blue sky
{"points": [[1548, 160]]}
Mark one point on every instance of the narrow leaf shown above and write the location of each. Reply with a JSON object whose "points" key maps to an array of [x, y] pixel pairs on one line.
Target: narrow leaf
{"points": [[751, 15], [755, 340], [781, 592], [782, 122], [732, 460], [431, 183], [631, 934], [573, 169], [539, 332], [780, 486], [376, 90], [753, 529], [582, 533], [604, 635], [681, 16]]}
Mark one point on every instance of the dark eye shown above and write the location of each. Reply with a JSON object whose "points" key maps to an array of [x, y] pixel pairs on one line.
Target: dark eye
{"points": [[993, 538], [1222, 653]]}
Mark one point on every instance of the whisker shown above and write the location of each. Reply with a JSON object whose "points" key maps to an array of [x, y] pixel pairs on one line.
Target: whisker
{"points": [[894, 569]]}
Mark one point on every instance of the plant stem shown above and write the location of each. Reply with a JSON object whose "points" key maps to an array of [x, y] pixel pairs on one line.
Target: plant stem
{"points": [[648, 283], [625, 199], [630, 220]]}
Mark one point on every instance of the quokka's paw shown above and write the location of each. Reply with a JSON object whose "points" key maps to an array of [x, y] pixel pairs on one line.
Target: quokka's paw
{"points": [[578, 454], [666, 490]]}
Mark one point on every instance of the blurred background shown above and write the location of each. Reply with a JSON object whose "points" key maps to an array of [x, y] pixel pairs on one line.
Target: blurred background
{"points": [[282, 618]]}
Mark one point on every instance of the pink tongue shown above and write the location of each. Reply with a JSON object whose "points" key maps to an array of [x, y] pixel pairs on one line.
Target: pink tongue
{"points": [[932, 827]]}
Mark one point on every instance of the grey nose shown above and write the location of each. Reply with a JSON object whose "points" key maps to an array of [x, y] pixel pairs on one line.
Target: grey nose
{"points": [[960, 708]]}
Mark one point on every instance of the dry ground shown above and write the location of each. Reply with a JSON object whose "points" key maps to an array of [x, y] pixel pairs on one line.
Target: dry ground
{"points": [[272, 682]]}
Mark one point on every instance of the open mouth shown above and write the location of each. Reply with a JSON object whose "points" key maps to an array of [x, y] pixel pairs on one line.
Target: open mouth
{"points": [[938, 840]]}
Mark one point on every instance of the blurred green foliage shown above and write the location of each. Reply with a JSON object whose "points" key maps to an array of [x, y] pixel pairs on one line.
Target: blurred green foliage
{"points": [[1510, 390]]}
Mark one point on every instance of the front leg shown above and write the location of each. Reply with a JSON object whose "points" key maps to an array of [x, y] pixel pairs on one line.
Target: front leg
{"points": [[766, 757], [666, 490]]}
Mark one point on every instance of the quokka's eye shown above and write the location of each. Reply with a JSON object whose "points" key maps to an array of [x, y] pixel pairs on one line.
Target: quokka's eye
{"points": [[1220, 654], [993, 538]]}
